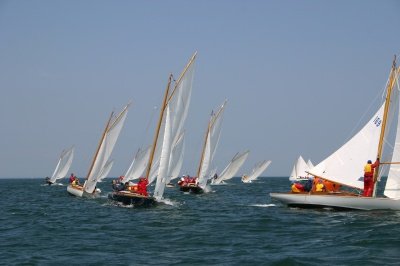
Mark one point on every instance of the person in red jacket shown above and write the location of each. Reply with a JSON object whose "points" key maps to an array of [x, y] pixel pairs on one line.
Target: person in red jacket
{"points": [[369, 177], [142, 186]]}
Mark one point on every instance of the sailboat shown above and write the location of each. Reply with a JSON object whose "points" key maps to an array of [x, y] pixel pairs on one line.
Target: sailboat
{"points": [[176, 160], [63, 165], [231, 169], [138, 165], [106, 170], [258, 169], [198, 184], [101, 156], [300, 170], [345, 165], [173, 113]]}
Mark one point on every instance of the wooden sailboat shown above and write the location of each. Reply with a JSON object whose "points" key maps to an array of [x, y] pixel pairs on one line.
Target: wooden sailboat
{"points": [[345, 166], [258, 169], [231, 169], [99, 164], [63, 165], [198, 184], [170, 124]]}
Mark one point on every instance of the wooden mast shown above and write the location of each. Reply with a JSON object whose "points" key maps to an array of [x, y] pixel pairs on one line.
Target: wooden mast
{"points": [[210, 125], [384, 120], [98, 147], [162, 109], [204, 146]]}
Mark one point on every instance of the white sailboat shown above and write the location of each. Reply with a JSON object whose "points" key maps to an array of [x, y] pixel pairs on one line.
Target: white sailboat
{"points": [[173, 114], [207, 154], [63, 165], [300, 170], [103, 153], [258, 169], [232, 168], [345, 166]]}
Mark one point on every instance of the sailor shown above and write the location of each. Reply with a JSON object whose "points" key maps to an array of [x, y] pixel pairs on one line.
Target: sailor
{"points": [[71, 178], [142, 186], [320, 187], [297, 187], [369, 177], [47, 179]]}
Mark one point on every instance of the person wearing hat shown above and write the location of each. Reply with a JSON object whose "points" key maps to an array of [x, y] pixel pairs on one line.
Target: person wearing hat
{"points": [[369, 177]]}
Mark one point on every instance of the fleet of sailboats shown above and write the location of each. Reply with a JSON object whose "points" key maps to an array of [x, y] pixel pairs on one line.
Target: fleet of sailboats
{"points": [[100, 163], [345, 165], [162, 161]]}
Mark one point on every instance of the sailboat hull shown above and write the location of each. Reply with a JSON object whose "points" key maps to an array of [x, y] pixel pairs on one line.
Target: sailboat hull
{"points": [[336, 201], [191, 188], [78, 191], [129, 198]]}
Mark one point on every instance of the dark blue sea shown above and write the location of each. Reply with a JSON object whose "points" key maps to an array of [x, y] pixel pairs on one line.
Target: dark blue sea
{"points": [[235, 224]]}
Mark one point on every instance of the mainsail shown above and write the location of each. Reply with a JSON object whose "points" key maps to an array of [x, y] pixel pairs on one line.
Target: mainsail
{"points": [[63, 165], [210, 146], [176, 160], [106, 146], [106, 170], [138, 165], [232, 168]]}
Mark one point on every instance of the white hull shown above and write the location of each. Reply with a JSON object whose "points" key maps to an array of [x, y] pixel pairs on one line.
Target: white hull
{"points": [[336, 201], [79, 192]]}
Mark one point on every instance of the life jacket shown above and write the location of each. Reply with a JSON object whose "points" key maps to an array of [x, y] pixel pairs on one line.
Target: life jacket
{"points": [[319, 187], [368, 168]]}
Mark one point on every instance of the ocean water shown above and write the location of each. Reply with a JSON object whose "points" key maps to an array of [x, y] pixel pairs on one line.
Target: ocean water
{"points": [[234, 224]]}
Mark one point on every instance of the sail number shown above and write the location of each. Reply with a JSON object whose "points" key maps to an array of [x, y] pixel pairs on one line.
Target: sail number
{"points": [[377, 121]]}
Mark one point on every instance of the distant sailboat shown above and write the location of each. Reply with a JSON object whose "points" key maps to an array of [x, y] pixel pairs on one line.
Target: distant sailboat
{"points": [[176, 160], [63, 165], [138, 165], [172, 116], [258, 169], [232, 168], [103, 153], [345, 166], [106, 170], [199, 183], [300, 170]]}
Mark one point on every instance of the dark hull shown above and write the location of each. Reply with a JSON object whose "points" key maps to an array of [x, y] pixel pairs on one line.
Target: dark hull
{"points": [[192, 189], [132, 199]]}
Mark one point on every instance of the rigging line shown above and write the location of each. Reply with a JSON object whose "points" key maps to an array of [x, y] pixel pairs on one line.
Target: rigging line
{"points": [[367, 111]]}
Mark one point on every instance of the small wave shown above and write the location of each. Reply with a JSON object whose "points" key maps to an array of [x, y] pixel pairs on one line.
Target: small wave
{"points": [[169, 202], [263, 205]]}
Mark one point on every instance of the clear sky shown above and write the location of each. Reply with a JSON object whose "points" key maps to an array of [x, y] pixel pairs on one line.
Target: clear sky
{"points": [[298, 76]]}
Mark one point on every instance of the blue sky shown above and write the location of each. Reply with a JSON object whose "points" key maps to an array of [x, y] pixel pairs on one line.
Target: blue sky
{"points": [[298, 76]]}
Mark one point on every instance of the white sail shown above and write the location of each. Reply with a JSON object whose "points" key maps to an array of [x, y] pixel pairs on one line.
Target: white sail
{"points": [[105, 150], [232, 168], [300, 170], [164, 159], [106, 170], [340, 166], [310, 164], [176, 160], [258, 170], [212, 139], [63, 165], [392, 188], [138, 165]]}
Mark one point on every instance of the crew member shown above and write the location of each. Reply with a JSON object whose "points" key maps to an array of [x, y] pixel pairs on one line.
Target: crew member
{"points": [[369, 177]]}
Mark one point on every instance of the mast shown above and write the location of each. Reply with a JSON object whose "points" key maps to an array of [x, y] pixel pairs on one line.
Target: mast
{"points": [[182, 75], [204, 148], [162, 109], [384, 120], [98, 147]]}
